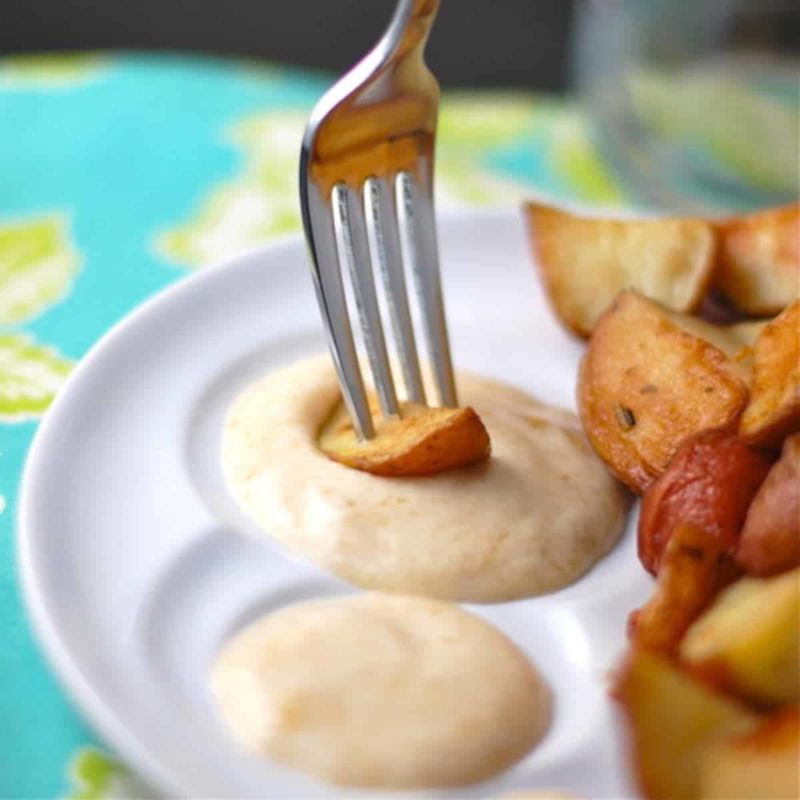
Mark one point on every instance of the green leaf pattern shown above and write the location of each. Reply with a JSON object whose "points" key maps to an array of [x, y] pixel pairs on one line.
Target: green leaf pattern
{"points": [[95, 775], [38, 263], [261, 201], [37, 266], [30, 376], [50, 70], [475, 127], [574, 157]]}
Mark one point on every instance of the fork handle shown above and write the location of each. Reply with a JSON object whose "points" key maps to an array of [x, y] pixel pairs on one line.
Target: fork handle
{"points": [[420, 8], [411, 24], [416, 9]]}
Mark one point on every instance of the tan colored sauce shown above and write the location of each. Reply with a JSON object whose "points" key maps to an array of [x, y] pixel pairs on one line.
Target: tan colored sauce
{"points": [[530, 520], [384, 691]]}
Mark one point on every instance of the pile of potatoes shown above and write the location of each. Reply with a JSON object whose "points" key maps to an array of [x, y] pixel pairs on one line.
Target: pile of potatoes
{"points": [[690, 392]]}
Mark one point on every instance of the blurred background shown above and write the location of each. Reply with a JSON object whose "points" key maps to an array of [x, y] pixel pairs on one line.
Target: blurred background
{"points": [[508, 43], [691, 104]]}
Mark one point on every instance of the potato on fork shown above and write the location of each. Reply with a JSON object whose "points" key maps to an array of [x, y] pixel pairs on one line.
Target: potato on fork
{"points": [[366, 189]]}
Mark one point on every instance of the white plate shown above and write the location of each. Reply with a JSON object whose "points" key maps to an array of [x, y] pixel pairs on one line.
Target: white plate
{"points": [[133, 568]]}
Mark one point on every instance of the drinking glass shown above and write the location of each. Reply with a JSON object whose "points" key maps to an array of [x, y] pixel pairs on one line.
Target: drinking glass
{"points": [[695, 104]]}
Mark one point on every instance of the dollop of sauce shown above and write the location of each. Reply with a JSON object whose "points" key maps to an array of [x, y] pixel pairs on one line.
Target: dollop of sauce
{"points": [[382, 691], [530, 520]]}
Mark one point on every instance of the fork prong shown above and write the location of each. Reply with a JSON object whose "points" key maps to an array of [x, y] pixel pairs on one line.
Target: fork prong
{"points": [[418, 237], [384, 244], [327, 277], [354, 251]]}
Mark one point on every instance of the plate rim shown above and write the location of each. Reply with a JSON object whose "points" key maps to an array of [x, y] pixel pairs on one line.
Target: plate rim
{"points": [[100, 717], [58, 655]]}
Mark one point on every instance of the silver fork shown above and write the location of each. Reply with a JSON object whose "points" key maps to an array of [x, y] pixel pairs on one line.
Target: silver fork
{"points": [[366, 181]]}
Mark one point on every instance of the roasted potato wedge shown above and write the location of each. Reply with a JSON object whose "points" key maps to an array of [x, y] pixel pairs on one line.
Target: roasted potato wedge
{"points": [[422, 441], [770, 539], [749, 639], [763, 764], [585, 262], [646, 384], [759, 260], [774, 408], [709, 484], [694, 568], [673, 721]]}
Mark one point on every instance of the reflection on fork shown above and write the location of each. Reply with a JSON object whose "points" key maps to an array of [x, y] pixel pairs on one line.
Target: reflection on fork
{"points": [[366, 189]]}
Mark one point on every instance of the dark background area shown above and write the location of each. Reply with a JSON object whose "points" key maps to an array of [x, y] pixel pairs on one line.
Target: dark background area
{"points": [[503, 43]]}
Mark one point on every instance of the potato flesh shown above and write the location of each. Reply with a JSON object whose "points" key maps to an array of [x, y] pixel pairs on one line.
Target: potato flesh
{"points": [[759, 260], [694, 567], [422, 441], [774, 408], [645, 385], [735, 340], [749, 639], [585, 262], [673, 720], [761, 765], [728, 338], [745, 333]]}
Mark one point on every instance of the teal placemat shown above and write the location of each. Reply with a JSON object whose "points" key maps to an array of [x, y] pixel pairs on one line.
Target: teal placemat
{"points": [[118, 175]]}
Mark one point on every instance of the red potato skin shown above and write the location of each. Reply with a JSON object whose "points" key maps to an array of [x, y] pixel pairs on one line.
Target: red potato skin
{"points": [[709, 485], [770, 540]]}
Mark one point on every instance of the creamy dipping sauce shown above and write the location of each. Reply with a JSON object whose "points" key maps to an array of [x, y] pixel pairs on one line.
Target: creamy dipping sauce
{"points": [[530, 520], [382, 691]]}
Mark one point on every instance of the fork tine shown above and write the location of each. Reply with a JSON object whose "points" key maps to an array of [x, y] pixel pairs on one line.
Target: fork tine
{"points": [[384, 241], [327, 278], [352, 236], [418, 238], [382, 112]]}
